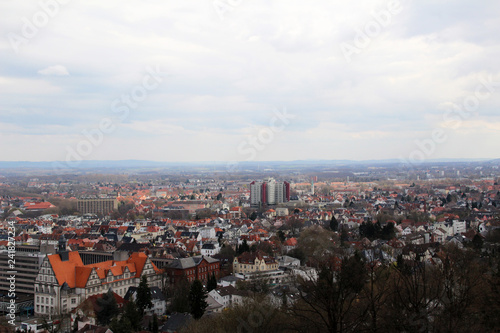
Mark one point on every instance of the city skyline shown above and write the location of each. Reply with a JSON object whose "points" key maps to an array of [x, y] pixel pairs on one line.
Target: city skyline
{"points": [[249, 81]]}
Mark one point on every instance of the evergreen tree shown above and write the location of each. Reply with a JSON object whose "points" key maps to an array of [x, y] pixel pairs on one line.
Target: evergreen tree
{"points": [[281, 235], [253, 248], [362, 229], [107, 308], [180, 297], [121, 325], [388, 232], [197, 299], [344, 237], [212, 282], [477, 242], [334, 224], [132, 313], [243, 247], [75, 324], [155, 324], [353, 273], [143, 296]]}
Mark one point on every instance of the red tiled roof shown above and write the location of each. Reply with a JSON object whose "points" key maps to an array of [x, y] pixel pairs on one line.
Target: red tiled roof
{"points": [[65, 270], [38, 206], [290, 242], [75, 274]]}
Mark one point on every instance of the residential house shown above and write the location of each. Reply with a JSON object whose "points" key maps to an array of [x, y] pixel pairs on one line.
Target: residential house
{"points": [[250, 262], [157, 299], [210, 249]]}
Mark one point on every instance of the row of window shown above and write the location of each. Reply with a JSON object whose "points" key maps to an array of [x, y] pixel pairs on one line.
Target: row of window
{"points": [[50, 300], [44, 278], [42, 308], [202, 269], [42, 289], [126, 283], [42, 300]]}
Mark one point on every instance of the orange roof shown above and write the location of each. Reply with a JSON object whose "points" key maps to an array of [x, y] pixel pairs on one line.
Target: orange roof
{"points": [[75, 274], [38, 205], [291, 242], [82, 276], [65, 270]]}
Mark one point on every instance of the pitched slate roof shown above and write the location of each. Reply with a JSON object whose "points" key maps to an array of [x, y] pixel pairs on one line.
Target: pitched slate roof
{"points": [[155, 293], [185, 263], [176, 321]]}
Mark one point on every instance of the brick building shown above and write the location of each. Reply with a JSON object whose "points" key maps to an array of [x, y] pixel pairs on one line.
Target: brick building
{"points": [[193, 268]]}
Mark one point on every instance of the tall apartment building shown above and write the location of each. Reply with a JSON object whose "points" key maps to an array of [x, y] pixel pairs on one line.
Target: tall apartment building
{"points": [[96, 205], [63, 281], [28, 259], [26, 268], [269, 192]]}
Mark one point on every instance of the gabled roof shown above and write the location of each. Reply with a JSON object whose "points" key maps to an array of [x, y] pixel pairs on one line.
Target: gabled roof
{"points": [[156, 293], [65, 270], [250, 257], [75, 274], [91, 302], [190, 262], [176, 321]]}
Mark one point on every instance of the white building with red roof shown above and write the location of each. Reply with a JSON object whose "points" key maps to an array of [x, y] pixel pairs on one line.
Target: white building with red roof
{"points": [[63, 281]]}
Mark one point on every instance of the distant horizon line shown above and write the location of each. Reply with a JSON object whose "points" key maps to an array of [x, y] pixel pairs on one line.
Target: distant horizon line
{"points": [[444, 159]]}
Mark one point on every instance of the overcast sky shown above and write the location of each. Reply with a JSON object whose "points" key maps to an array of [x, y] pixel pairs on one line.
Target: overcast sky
{"points": [[207, 79]]}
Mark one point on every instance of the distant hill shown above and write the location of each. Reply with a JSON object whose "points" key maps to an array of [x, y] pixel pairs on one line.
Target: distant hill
{"points": [[128, 164], [142, 164]]}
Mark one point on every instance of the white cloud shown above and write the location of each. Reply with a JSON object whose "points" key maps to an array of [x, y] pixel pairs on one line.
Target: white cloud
{"points": [[57, 70], [224, 77]]}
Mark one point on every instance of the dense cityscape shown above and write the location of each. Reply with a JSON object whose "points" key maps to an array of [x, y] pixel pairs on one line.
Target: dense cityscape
{"points": [[231, 166], [324, 247]]}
